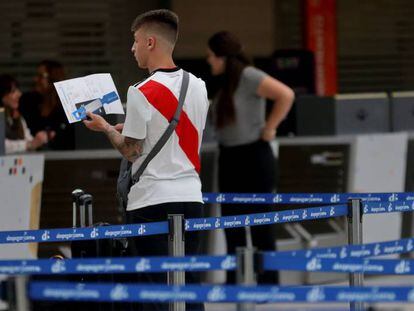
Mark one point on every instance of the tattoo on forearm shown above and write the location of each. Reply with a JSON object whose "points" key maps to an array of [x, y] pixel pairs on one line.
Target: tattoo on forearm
{"points": [[130, 148]]}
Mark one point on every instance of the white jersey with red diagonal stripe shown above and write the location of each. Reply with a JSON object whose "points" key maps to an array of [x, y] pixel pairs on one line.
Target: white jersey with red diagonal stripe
{"points": [[172, 175]]}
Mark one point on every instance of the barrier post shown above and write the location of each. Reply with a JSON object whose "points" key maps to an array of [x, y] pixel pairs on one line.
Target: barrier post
{"points": [[176, 248], [17, 295], [355, 237], [245, 273]]}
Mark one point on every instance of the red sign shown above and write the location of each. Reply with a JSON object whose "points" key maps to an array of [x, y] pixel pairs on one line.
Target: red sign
{"points": [[320, 35]]}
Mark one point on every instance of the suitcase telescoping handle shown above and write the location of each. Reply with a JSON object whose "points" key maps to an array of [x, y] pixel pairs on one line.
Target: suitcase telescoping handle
{"points": [[76, 194], [85, 201]]}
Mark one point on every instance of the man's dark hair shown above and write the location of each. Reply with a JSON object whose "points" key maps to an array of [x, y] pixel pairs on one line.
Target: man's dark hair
{"points": [[165, 21]]}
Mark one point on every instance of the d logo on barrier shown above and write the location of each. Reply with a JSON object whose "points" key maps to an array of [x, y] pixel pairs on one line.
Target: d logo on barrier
{"points": [[217, 223], [119, 292], [315, 294], [377, 249], [94, 233], [58, 267], [143, 265], [141, 229], [410, 245], [305, 214], [247, 221], [228, 263], [335, 198], [403, 267], [314, 264], [46, 235], [217, 293], [393, 197], [220, 198], [343, 253], [277, 198]]}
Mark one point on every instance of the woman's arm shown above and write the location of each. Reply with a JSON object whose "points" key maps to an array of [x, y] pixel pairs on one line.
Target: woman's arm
{"points": [[21, 145], [14, 146], [283, 97]]}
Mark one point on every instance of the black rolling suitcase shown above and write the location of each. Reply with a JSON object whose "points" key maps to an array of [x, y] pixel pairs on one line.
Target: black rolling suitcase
{"points": [[94, 248], [82, 206]]}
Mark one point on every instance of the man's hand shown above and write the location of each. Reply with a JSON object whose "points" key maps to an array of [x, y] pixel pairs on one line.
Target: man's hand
{"points": [[96, 122], [119, 127]]}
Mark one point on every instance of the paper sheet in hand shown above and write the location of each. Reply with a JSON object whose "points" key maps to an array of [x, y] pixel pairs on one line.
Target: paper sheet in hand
{"points": [[95, 93]]}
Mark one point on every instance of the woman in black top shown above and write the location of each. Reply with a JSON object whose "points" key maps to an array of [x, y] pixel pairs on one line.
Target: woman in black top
{"points": [[42, 108]]}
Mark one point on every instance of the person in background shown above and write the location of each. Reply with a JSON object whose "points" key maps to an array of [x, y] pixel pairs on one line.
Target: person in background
{"points": [[246, 161], [42, 108], [18, 137]]}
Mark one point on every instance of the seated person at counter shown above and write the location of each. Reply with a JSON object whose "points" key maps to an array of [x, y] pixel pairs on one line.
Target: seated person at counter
{"points": [[42, 108], [18, 137]]}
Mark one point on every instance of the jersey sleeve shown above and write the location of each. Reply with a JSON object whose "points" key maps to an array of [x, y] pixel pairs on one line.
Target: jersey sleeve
{"points": [[253, 77], [138, 114]]}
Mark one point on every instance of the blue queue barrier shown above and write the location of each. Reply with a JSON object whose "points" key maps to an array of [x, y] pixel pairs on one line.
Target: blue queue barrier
{"points": [[351, 258], [57, 291], [345, 259], [304, 198], [106, 232]]}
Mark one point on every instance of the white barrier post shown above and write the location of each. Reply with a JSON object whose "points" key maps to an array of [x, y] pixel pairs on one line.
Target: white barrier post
{"points": [[176, 248], [17, 295], [245, 273], [355, 237]]}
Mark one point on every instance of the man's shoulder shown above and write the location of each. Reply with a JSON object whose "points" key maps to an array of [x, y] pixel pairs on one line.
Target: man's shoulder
{"points": [[141, 82], [159, 83]]}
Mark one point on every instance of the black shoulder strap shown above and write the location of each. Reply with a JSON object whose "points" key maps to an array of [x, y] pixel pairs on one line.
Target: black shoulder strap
{"points": [[170, 129]]}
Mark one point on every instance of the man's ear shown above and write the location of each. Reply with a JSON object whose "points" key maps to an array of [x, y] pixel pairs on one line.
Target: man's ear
{"points": [[151, 43]]}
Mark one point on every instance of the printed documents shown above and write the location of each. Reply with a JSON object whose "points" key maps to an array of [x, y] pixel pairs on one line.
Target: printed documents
{"points": [[95, 93]]}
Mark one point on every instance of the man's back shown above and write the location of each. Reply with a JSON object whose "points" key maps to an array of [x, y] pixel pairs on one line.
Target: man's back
{"points": [[172, 175]]}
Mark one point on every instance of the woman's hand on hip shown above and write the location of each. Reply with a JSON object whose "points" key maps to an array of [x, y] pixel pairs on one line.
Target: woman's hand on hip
{"points": [[268, 134]]}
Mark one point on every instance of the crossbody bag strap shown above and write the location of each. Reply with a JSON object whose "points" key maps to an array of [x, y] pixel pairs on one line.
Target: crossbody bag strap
{"points": [[170, 129]]}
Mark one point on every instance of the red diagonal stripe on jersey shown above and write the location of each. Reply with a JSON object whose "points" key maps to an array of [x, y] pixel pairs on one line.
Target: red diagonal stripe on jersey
{"points": [[166, 103]]}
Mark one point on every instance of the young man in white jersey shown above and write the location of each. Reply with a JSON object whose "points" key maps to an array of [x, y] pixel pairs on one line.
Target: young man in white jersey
{"points": [[170, 183]]}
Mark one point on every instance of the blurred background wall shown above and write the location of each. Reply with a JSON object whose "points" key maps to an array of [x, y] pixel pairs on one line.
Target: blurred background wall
{"points": [[374, 37]]}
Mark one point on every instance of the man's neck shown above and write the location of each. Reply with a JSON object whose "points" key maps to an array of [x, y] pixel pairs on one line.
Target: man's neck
{"points": [[161, 62]]}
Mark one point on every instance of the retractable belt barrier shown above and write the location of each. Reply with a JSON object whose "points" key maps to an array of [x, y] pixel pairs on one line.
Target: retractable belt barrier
{"points": [[387, 207], [351, 251], [196, 224], [302, 214], [346, 259], [204, 293], [352, 259], [152, 228], [350, 265], [117, 265], [85, 233], [372, 203], [304, 198]]}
